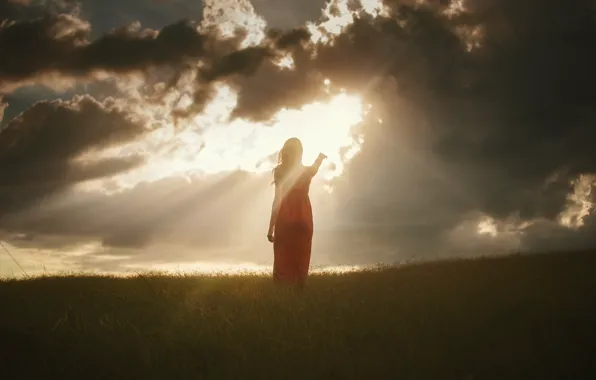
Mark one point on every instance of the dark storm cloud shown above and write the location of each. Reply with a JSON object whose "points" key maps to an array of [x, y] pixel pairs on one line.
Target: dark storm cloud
{"points": [[10, 9], [49, 40], [245, 62], [261, 96], [3, 106], [288, 39], [59, 44], [128, 49], [39, 147], [534, 85], [263, 87], [107, 14]]}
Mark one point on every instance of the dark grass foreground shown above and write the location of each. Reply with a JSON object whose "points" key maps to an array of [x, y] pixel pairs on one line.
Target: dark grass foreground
{"points": [[510, 318]]}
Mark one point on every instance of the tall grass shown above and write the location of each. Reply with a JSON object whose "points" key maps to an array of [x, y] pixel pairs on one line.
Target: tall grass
{"points": [[524, 317]]}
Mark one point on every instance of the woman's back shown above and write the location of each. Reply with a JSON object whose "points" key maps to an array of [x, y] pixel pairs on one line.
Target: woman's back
{"points": [[295, 205]]}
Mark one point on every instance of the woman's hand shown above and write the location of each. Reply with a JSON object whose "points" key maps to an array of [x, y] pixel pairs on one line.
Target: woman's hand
{"points": [[321, 156]]}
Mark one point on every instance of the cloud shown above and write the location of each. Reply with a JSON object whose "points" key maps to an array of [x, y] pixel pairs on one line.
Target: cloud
{"points": [[2, 108], [59, 44], [40, 147], [131, 48], [12, 9], [522, 125]]}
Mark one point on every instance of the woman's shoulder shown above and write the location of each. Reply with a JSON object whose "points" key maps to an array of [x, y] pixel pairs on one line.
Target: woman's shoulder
{"points": [[303, 173], [309, 170]]}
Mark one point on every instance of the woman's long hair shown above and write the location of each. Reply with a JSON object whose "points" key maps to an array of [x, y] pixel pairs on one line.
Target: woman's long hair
{"points": [[288, 158]]}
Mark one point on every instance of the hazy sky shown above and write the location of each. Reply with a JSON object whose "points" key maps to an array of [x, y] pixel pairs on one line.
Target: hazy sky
{"points": [[140, 134]]}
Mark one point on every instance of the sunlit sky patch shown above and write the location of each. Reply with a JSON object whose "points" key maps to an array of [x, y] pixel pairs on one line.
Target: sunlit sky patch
{"points": [[210, 144]]}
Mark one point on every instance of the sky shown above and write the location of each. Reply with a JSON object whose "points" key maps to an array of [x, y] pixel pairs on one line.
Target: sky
{"points": [[140, 135]]}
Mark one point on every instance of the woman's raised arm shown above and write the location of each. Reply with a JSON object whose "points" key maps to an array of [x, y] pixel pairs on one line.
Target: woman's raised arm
{"points": [[317, 164]]}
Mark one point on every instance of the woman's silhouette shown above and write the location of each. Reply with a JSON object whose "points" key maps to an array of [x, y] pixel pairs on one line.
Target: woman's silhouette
{"points": [[291, 223]]}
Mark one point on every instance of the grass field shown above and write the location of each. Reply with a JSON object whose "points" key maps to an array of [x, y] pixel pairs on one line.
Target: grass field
{"points": [[522, 317]]}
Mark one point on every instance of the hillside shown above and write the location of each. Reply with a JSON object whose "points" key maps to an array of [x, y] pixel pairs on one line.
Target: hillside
{"points": [[518, 317]]}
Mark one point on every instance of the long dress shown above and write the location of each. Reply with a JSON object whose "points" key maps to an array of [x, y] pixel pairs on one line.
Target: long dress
{"points": [[294, 229]]}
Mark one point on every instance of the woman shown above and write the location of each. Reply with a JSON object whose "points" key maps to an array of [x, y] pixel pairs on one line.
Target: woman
{"points": [[291, 223]]}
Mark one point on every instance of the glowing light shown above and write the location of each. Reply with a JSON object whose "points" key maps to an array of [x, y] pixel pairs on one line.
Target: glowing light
{"points": [[373, 7], [285, 62], [579, 202], [472, 37], [228, 16], [339, 269], [206, 268], [211, 144], [455, 8], [337, 15], [487, 226], [210, 268]]}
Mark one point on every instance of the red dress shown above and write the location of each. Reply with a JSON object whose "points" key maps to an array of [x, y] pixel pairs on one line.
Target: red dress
{"points": [[294, 229]]}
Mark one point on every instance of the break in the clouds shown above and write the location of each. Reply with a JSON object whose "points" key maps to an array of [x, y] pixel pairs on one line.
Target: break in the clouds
{"points": [[478, 137]]}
